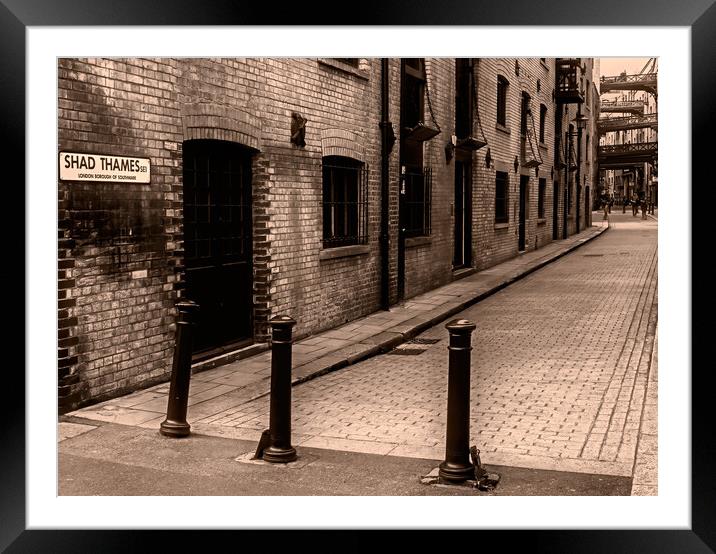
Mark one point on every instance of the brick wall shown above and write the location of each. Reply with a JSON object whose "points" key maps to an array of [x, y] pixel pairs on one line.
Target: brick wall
{"points": [[120, 247], [428, 263], [116, 278], [338, 102], [495, 242]]}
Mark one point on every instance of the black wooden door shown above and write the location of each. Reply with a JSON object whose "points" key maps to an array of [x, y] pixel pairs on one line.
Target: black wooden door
{"points": [[555, 210], [217, 242], [523, 212], [462, 229]]}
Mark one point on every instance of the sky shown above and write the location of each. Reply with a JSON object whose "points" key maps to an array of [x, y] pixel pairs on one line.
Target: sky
{"points": [[614, 66]]}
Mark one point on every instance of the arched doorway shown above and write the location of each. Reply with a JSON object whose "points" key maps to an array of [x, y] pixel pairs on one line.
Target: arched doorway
{"points": [[218, 242]]}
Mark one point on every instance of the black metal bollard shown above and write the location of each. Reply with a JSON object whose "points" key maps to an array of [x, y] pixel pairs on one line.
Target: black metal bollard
{"points": [[280, 449], [457, 466], [175, 424]]}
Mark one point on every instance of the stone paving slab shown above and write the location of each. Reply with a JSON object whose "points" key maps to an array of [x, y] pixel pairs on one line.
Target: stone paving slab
{"points": [[536, 408], [67, 430], [215, 392]]}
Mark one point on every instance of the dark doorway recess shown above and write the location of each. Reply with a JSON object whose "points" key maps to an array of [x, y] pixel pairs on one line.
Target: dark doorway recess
{"points": [[524, 182], [555, 211], [217, 243], [463, 215]]}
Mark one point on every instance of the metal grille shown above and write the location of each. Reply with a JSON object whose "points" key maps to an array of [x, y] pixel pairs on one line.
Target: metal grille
{"points": [[345, 202], [417, 193]]}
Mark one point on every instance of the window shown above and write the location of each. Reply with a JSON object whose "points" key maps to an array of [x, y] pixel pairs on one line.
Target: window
{"points": [[540, 198], [463, 97], [502, 100], [542, 121], [524, 113], [345, 202], [416, 196], [349, 61], [415, 180], [501, 197], [587, 153], [413, 94]]}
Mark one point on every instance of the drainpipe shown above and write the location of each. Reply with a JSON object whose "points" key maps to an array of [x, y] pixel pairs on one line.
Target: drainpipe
{"points": [[579, 168], [568, 151], [387, 138]]}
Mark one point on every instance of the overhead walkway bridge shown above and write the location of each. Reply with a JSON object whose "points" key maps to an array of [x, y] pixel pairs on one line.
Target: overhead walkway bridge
{"points": [[635, 107], [619, 156], [607, 125], [644, 81]]}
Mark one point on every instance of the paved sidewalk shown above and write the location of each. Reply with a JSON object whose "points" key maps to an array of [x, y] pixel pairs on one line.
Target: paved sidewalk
{"points": [[215, 391]]}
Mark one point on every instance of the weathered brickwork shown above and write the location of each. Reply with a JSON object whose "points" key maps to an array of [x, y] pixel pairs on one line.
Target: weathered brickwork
{"points": [[496, 242], [116, 283], [121, 256], [428, 263], [587, 169]]}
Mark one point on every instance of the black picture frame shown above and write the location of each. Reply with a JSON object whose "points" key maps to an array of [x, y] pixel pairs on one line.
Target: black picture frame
{"points": [[16, 15]]}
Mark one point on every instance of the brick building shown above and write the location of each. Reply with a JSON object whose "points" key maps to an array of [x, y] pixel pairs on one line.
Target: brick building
{"points": [[325, 189]]}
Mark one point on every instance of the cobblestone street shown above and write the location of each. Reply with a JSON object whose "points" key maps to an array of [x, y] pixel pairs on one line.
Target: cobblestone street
{"points": [[560, 368]]}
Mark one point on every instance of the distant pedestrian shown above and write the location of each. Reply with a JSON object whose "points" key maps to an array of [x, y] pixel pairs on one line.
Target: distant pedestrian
{"points": [[634, 205], [624, 204], [643, 208], [605, 206], [611, 201]]}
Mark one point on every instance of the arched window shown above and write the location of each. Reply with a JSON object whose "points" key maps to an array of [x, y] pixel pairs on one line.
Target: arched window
{"points": [[502, 84]]}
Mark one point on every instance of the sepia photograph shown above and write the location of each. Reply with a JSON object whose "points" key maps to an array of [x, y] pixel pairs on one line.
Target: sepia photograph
{"points": [[399, 275], [357, 276]]}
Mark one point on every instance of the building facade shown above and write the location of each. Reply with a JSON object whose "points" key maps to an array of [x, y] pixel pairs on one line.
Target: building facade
{"points": [[325, 189]]}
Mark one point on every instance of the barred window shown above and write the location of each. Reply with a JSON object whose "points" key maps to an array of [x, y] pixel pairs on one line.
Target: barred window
{"points": [[501, 197], [416, 193], [501, 100], [540, 198], [345, 202]]}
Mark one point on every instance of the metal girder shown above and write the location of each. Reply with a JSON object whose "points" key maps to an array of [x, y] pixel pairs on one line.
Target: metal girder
{"points": [[646, 82], [606, 125], [622, 165], [616, 155], [635, 107]]}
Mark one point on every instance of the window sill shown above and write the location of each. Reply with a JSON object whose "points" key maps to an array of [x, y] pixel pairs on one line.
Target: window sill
{"points": [[346, 68], [543, 145], [418, 241], [502, 225], [344, 251], [541, 221], [502, 128]]}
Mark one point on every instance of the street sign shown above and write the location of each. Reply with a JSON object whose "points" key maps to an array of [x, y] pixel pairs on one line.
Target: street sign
{"points": [[76, 166]]}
